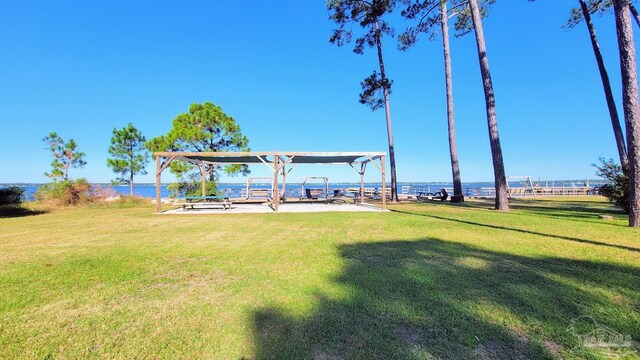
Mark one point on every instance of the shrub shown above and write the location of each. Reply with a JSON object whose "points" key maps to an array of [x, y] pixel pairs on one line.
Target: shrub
{"points": [[192, 188], [11, 195], [71, 192], [617, 190]]}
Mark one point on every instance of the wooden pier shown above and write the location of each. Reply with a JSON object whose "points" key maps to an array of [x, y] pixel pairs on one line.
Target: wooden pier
{"points": [[517, 192], [552, 191]]}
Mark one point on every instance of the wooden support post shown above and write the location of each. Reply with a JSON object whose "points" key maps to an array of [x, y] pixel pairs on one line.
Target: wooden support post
{"points": [[284, 182], [384, 182], [158, 185], [363, 168], [276, 195], [326, 189], [203, 179]]}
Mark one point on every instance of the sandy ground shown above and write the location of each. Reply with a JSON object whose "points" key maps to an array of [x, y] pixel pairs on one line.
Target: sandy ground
{"points": [[285, 208]]}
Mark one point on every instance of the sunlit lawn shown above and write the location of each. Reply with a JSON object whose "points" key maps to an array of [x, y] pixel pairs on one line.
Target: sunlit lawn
{"points": [[424, 281]]}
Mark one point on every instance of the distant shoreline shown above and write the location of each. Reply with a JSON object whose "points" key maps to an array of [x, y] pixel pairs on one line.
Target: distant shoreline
{"points": [[148, 190], [594, 181]]}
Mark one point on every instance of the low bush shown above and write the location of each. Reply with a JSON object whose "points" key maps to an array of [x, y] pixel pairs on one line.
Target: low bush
{"points": [[617, 190], [192, 188], [11, 195], [72, 192]]}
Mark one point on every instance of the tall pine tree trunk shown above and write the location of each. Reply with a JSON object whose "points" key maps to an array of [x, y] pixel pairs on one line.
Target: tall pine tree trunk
{"points": [[636, 16], [611, 103], [387, 111], [453, 151], [131, 156], [502, 200], [131, 183], [629, 72]]}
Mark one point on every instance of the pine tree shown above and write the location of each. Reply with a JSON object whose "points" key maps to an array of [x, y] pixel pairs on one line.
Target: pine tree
{"points": [[205, 128], [577, 16], [427, 17], [376, 88], [65, 156], [129, 154], [629, 72]]}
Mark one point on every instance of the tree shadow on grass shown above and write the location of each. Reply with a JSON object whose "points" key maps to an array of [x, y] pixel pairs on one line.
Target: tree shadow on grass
{"points": [[523, 231], [575, 216], [574, 211], [577, 211], [580, 205], [435, 299], [11, 211]]}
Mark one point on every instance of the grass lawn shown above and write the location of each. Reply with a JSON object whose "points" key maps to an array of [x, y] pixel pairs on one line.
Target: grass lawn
{"points": [[424, 281]]}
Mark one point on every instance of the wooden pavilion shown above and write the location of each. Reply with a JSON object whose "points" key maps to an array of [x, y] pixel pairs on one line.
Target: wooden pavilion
{"points": [[279, 162]]}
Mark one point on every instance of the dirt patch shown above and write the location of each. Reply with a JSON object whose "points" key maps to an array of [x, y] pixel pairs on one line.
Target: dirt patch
{"points": [[472, 262], [511, 266], [554, 348], [498, 351], [325, 356], [520, 333], [367, 258], [181, 278], [409, 335], [181, 260], [432, 261]]}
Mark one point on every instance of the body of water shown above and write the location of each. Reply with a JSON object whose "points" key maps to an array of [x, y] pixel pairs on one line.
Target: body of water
{"points": [[295, 189]]}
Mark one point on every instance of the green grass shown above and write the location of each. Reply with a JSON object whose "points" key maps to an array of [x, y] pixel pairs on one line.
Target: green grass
{"points": [[424, 281]]}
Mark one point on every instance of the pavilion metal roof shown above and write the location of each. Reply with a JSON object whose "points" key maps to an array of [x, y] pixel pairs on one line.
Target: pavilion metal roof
{"points": [[227, 159], [268, 157]]}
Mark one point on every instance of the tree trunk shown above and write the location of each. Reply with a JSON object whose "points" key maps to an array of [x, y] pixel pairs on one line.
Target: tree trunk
{"points": [[636, 16], [629, 72], [131, 157], [131, 183], [203, 179], [611, 103], [387, 111], [453, 151], [211, 171], [502, 201]]}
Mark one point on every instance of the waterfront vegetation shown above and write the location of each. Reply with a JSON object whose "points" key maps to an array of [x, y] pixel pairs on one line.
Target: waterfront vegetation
{"points": [[441, 280]]}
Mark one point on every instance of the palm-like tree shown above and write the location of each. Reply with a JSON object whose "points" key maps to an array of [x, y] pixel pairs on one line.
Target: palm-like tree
{"points": [[377, 87], [626, 46], [426, 20], [584, 13], [502, 201], [453, 151]]}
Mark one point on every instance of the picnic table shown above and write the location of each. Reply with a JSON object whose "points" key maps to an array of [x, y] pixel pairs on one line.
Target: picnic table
{"points": [[353, 194], [207, 201], [441, 195]]}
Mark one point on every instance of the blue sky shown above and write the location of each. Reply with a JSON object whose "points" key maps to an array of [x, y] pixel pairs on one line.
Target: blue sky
{"points": [[82, 68]]}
